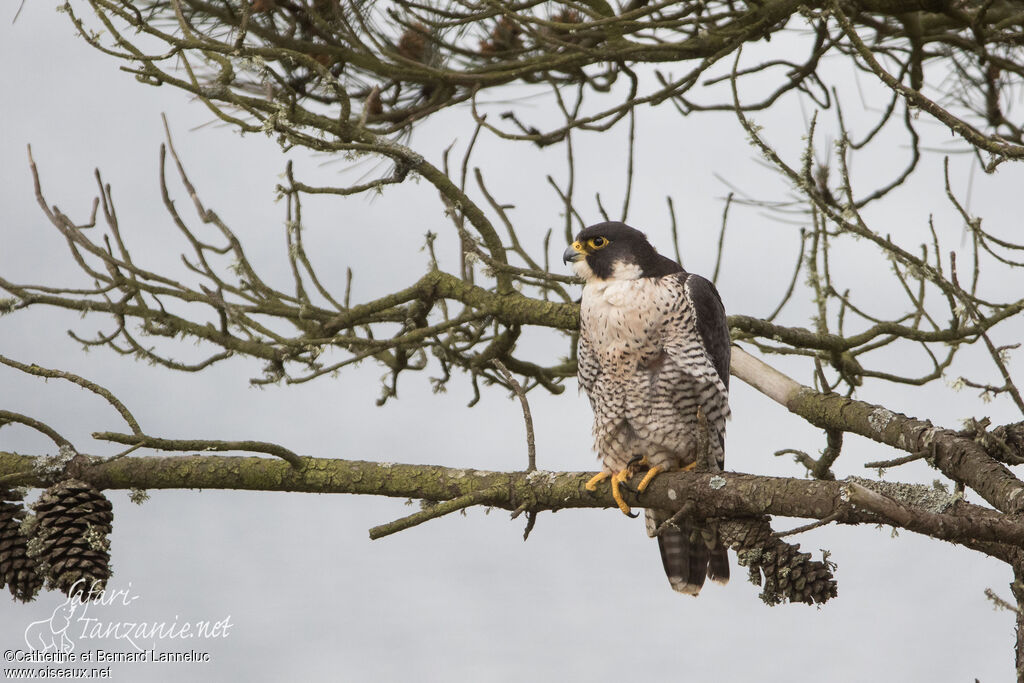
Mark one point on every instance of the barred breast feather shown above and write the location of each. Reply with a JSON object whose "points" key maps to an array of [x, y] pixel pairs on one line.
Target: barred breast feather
{"points": [[652, 350]]}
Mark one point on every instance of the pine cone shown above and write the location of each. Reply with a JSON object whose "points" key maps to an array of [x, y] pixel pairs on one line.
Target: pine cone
{"points": [[17, 569], [69, 539], [1009, 443], [415, 44], [788, 574], [373, 105], [505, 37], [565, 16]]}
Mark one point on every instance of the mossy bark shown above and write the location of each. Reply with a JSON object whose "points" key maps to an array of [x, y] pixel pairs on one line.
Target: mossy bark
{"points": [[959, 458], [709, 495]]}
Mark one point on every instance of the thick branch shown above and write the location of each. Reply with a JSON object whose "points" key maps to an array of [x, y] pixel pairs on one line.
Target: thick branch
{"points": [[722, 495], [959, 458]]}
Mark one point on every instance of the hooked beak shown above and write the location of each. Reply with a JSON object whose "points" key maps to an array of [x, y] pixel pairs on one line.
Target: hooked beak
{"points": [[574, 252]]}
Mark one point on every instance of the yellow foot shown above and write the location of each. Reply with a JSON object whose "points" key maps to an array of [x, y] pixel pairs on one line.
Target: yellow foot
{"points": [[617, 479], [649, 477], [595, 480], [655, 471]]}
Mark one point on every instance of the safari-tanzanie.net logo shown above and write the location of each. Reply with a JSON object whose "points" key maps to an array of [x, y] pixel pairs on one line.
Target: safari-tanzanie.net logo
{"points": [[81, 629]]}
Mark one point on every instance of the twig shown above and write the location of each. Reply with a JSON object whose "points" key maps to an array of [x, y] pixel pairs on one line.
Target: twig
{"points": [[531, 520], [433, 512], [884, 464], [685, 510], [675, 230], [801, 457], [80, 381], [142, 440], [833, 447], [840, 511], [721, 238], [531, 447], [999, 602], [7, 417]]}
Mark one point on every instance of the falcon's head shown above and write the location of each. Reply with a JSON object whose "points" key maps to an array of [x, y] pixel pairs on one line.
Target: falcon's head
{"points": [[615, 251]]}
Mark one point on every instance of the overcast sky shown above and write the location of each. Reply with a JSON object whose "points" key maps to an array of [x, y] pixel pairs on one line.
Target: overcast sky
{"points": [[309, 596]]}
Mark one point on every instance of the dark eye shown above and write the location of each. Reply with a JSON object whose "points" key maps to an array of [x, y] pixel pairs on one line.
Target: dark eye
{"points": [[597, 243]]}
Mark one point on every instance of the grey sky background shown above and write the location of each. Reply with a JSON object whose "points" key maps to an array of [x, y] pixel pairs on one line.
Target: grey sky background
{"points": [[461, 598]]}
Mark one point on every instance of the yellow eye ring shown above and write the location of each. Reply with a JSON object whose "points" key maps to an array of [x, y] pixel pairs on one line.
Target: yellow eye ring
{"points": [[597, 243]]}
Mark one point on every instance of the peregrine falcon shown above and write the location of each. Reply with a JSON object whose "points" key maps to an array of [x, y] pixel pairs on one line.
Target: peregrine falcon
{"points": [[653, 357]]}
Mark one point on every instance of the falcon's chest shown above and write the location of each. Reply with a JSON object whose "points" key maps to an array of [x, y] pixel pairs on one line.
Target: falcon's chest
{"points": [[622, 321]]}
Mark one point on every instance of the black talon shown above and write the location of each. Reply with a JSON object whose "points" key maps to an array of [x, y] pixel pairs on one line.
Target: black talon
{"points": [[626, 484], [629, 487], [636, 465]]}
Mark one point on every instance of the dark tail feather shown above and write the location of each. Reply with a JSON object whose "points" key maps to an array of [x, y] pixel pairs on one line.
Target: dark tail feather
{"points": [[685, 561], [718, 566], [689, 553]]}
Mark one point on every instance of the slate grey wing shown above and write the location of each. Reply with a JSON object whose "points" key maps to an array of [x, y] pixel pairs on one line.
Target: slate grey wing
{"points": [[711, 323]]}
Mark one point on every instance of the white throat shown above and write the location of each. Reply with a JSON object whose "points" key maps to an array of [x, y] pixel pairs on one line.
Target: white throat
{"points": [[620, 271], [625, 271]]}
